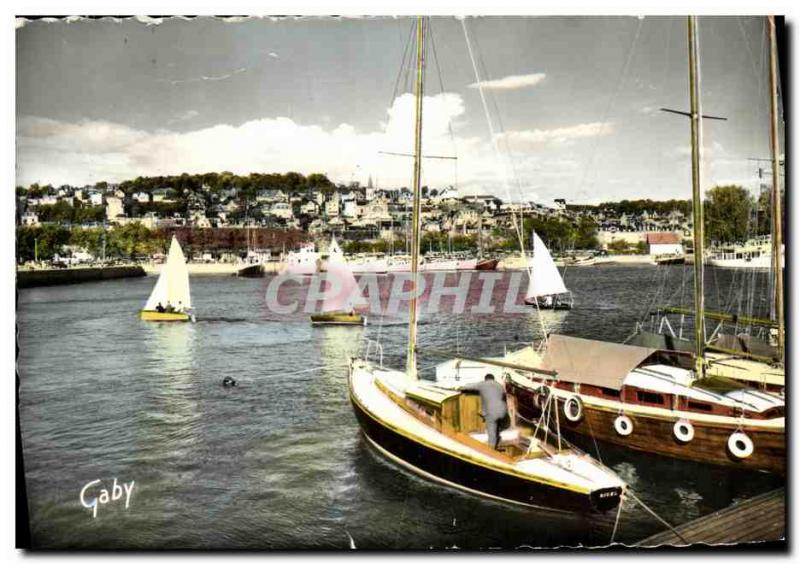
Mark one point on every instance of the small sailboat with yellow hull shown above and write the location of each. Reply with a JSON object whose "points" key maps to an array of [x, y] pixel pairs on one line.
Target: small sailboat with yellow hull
{"points": [[342, 297], [171, 298], [338, 318]]}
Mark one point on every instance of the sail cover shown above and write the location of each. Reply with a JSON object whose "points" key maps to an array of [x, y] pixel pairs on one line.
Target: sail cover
{"points": [[545, 279], [586, 361], [173, 282]]}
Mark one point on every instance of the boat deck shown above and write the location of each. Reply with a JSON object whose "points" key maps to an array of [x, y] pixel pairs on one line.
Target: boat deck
{"points": [[759, 519], [562, 468]]}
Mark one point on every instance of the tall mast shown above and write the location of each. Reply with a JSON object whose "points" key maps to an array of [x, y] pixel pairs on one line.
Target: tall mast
{"points": [[697, 200], [411, 367], [777, 255]]}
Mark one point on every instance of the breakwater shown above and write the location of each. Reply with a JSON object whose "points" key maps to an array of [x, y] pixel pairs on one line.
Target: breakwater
{"points": [[55, 277]]}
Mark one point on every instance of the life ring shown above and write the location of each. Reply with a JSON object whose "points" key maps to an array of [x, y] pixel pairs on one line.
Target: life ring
{"points": [[623, 425], [683, 430], [540, 396], [740, 445], [573, 409]]}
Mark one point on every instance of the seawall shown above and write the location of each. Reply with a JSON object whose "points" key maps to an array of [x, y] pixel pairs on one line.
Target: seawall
{"points": [[54, 277]]}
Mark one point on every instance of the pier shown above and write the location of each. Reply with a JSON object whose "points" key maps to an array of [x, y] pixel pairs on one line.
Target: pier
{"points": [[59, 276], [758, 519]]}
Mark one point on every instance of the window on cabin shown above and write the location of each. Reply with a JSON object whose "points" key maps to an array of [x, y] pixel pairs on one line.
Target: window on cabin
{"points": [[610, 392], [700, 406], [648, 397]]}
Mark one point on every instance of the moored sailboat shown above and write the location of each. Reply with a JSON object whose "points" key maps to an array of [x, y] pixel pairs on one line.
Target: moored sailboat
{"points": [[436, 432], [754, 352], [170, 299], [662, 402]]}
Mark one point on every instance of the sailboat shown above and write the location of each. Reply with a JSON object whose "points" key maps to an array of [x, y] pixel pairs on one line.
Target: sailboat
{"points": [[754, 353], [437, 432], [658, 401], [546, 288], [170, 299], [340, 308]]}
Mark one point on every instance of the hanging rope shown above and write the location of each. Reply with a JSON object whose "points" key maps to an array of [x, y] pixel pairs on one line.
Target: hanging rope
{"points": [[654, 514]]}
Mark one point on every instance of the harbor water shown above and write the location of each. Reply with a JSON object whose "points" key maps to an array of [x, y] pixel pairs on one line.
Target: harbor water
{"points": [[278, 461]]}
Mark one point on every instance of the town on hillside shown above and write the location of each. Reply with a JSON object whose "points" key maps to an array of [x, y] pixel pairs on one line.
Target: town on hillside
{"points": [[222, 216]]}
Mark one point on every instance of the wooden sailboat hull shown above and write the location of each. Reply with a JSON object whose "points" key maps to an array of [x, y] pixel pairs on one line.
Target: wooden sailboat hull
{"points": [[338, 318], [147, 315], [487, 264], [461, 471], [655, 435]]}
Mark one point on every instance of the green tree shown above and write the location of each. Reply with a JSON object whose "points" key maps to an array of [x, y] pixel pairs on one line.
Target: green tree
{"points": [[727, 214], [42, 241]]}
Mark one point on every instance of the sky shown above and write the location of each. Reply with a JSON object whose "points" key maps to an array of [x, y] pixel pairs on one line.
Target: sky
{"points": [[572, 102]]}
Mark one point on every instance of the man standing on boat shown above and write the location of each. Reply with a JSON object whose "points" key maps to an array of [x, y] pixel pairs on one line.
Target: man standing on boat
{"points": [[494, 408]]}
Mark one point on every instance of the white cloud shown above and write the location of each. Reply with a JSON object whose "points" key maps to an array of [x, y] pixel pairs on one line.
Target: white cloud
{"points": [[559, 135], [57, 152], [511, 82]]}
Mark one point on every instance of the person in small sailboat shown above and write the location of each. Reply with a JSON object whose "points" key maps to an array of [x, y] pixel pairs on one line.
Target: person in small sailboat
{"points": [[172, 287]]}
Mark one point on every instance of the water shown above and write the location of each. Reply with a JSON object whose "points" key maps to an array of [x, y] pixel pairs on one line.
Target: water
{"points": [[279, 462]]}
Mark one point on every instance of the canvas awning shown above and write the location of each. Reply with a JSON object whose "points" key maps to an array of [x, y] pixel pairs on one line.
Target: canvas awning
{"points": [[586, 361]]}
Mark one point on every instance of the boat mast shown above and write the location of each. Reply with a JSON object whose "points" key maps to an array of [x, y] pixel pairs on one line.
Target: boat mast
{"points": [[411, 367], [697, 199], [777, 255]]}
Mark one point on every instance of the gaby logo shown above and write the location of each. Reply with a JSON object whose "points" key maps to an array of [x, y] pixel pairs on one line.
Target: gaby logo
{"points": [[93, 495]]}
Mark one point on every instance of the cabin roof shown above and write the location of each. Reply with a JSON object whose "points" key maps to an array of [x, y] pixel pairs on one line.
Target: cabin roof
{"points": [[665, 238], [586, 361]]}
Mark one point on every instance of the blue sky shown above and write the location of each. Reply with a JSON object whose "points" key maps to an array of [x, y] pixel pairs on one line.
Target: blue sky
{"points": [[573, 102]]}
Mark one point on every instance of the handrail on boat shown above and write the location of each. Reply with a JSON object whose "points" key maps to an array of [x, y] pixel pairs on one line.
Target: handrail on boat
{"points": [[378, 351]]}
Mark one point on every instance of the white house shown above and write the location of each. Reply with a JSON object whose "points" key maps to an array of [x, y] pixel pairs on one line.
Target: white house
{"points": [[30, 219], [114, 208], [664, 243], [282, 210]]}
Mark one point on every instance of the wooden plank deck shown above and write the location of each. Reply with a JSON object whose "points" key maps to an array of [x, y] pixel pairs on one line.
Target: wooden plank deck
{"points": [[761, 518]]}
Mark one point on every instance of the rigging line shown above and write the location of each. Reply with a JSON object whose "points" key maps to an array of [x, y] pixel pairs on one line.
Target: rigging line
{"points": [[403, 64], [654, 514], [619, 513], [441, 89], [620, 81], [500, 126], [501, 161]]}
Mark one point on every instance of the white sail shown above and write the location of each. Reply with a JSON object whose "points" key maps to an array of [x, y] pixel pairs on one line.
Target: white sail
{"points": [[545, 280], [173, 282], [347, 297], [335, 251]]}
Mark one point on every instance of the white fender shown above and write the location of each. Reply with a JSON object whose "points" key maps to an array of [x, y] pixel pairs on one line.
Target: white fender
{"points": [[573, 409], [623, 425], [683, 430], [740, 445]]}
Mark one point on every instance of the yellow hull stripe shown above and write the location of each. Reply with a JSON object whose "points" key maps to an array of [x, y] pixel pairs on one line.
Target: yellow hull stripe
{"points": [[146, 315]]}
